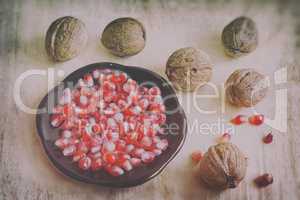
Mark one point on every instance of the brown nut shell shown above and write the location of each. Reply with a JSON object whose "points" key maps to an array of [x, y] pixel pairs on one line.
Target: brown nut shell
{"points": [[124, 37], [188, 69], [246, 87], [65, 38], [222, 166], [240, 37]]}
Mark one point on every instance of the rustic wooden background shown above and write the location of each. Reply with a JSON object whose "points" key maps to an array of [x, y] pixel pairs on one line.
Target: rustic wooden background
{"points": [[25, 172]]}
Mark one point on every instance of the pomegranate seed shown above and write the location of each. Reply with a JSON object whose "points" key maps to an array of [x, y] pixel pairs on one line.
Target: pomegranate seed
{"points": [[57, 120], [109, 158], [157, 152], [96, 164], [256, 120], [62, 143], [78, 155], [147, 157], [96, 128], [66, 134], [135, 162], [154, 91], [163, 144], [268, 138], [238, 120], [263, 180], [116, 171], [69, 151], [197, 156], [127, 165], [85, 163]]}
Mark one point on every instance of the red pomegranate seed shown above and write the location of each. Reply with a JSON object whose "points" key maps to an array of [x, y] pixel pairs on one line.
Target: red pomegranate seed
{"points": [[135, 162], [147, 157], [85, 163], [263, 180], [96, 164], [126, 165], [109, 158], [256, 120], [69, 151], [96, 128], [268, 138], [78, 155], [196, 156], [62, 143], [116, 171], [163, 144], [238, 120], [57, 120]]}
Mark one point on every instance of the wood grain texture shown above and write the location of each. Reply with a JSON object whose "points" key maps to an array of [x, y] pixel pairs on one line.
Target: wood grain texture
{"points": [[26, 173]]}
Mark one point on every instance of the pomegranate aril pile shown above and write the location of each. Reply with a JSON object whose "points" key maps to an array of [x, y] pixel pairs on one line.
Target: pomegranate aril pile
{"points": [[110, 122]]}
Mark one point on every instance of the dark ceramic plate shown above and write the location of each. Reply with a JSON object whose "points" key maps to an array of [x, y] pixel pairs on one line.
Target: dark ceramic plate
{"points": [[175, 121]]}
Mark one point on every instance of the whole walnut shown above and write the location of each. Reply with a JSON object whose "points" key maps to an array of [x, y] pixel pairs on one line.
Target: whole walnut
{"points": [[240, 37], [189, 68], [124, 37], [222, 166], [66, 38], [246, 87]]}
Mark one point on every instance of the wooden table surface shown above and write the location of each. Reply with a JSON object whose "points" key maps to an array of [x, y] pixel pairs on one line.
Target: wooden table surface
{"points": [[25, 171]]}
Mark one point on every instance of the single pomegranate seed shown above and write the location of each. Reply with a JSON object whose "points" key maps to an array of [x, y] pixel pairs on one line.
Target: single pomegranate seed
{"points": [[57, 120], [85, 163], [147, 157], [109, 158], [268, 138], [239, 119], [96, 164], [62, 143], [256, 120], [96, 128], [196, 156], [135, 162], [69, 151], [78, 155], [263, 180]]}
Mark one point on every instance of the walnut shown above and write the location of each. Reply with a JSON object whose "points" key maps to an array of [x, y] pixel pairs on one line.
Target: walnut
{"points": [[246, 87], [124, 37], [222, 166], [240, 37], [65, 38], [189, 68]]}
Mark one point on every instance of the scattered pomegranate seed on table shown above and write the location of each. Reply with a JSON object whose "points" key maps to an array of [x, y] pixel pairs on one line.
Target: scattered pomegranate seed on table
{"points": [[239, 119], [196, 156], [268, 138], [263, 180], [108, 122], [256, 120]]}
